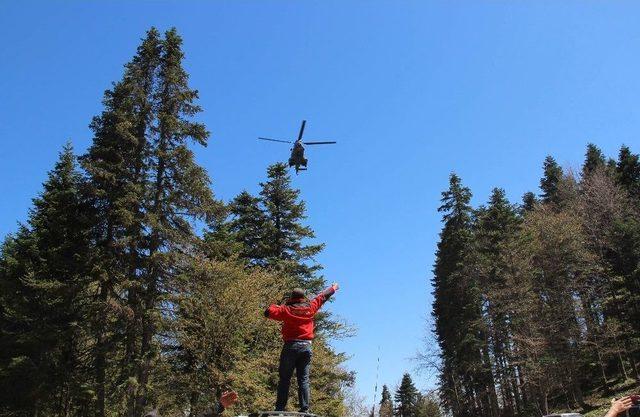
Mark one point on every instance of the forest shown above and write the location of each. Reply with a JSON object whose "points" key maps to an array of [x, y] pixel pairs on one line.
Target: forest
{"points": [[131, 286], [536, 305]]}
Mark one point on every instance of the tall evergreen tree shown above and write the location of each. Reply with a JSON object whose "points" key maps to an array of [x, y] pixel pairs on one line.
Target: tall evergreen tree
{"points": [[249, 225], [147, 188], [496, 229], [406, 398], [117, 165], [456, 300], [285, 235], [550, 182], [594, 159], [628, 172], [386, 395], [529, 201], [43, 279], [386, 403], [179, 192]]}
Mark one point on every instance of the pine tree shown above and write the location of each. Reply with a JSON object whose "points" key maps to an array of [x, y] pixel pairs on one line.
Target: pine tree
{"points": [[550, 182], [219, 241], [285, 234], [495, 230], [529, 201], [406, 398], [179, 192], [456, 300], [147, 189], [117, 165], [544, 294], [248, 226], [386, 395], [594, 160], [628, 172], [386, 403], [44, 270]]}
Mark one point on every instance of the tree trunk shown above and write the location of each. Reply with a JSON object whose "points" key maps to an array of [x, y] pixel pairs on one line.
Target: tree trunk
{"points": [[100, 361]]}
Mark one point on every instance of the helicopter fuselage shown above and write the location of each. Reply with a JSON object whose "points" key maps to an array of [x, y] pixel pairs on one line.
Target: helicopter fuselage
{"points": [[297, 158]]}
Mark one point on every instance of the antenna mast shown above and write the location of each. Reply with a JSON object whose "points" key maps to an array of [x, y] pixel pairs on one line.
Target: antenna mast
{"points": [[375, 390]]}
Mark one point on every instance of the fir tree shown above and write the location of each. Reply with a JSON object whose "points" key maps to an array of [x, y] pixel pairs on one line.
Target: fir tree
{"points": [[455, 298], [248, 226], [496, 228], [406, 398], [550, 182], [529, 201], [285, 235], [117, 164], [594, 159], [179, 192], [220, 242], [386, 403], [386, 395], [147, 189], [44, 272], [628, 172]]}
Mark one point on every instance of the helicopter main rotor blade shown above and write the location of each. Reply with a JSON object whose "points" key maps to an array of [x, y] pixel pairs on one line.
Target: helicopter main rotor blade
{"points": [[319, 143], [304, 122], [276, 140]]}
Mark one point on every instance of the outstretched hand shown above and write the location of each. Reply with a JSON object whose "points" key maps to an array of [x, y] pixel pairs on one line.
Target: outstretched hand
{"points": [[619, 406], [335, 286], [228, 398]]}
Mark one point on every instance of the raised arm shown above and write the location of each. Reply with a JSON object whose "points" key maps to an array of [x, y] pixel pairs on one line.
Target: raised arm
{"points": [[274, 312], [321, 298]]}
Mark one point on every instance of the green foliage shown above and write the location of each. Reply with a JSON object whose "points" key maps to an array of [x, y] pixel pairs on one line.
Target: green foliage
{"points": [[550, 182], [547, 295], [214, 336], [628, 171], [249, 227], [427, 406], [406, 398], [386, 395], [594, 160], [529, 201], [112, 304], [285, 235], [386, 403], [43, 282]]}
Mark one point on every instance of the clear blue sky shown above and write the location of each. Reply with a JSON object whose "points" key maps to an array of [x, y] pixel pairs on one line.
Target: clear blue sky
{"points": [[412, 90]]}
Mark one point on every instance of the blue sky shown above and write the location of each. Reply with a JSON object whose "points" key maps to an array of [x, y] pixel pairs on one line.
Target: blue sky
{"points": [[411, 90]]}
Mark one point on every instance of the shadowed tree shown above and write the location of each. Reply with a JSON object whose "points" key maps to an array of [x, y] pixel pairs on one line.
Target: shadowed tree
{"points": [[594, 160], [550, 182], [406, 398], [284, 234], [44, 301]]}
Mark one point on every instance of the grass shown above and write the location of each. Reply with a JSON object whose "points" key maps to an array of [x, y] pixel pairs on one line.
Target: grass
{"points": [[601, 401]]}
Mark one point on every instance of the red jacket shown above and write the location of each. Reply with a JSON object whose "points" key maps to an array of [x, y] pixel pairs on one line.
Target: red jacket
{"points": [[297, 315]]}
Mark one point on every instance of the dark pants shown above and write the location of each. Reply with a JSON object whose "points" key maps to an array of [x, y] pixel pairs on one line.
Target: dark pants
{"points": [[295, 355]]}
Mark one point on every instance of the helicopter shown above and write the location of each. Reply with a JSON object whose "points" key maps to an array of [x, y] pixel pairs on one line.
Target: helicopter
{"points": [[297, 158]]}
